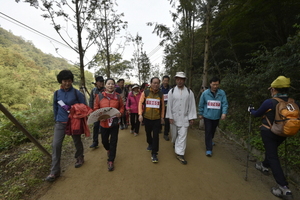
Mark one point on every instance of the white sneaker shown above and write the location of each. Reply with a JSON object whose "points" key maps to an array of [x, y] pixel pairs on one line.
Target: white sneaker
{"points": [[259, 166], [135, 134], [283, 192]]}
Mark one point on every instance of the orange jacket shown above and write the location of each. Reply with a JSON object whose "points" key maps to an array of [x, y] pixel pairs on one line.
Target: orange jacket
{"points": [[115, 102]]}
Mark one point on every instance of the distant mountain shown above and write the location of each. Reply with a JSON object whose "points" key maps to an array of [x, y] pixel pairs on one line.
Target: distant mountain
{"points": [[28, 76], [30, 52]]}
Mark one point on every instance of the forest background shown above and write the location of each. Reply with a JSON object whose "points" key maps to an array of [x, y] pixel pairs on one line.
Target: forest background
{"points": [[246, 43]]}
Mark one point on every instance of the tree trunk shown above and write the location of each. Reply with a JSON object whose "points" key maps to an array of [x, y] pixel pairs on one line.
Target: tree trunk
{"points": [[80, 49], [107, 45], [206, 48]]}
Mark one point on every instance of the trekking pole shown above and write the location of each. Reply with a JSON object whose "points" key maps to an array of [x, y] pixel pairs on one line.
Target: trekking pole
{"points": [[248, 145], [285, 158]]}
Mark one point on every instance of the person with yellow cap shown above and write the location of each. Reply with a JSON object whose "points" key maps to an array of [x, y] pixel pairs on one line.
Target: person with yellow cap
{"points": [[279, 89]]}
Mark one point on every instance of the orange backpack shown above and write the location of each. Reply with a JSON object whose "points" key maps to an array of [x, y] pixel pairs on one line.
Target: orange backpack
{"points": [[287, 118]]}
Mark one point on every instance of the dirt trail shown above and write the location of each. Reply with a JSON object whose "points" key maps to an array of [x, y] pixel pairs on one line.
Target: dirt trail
{"points": [[135, 177]]}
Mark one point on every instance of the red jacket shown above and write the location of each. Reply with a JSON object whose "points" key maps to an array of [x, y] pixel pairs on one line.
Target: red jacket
{"points": [[77, 124], [114, 102]]}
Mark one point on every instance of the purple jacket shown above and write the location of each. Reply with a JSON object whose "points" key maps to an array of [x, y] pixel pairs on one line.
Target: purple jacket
{"points": [[132, 102]]}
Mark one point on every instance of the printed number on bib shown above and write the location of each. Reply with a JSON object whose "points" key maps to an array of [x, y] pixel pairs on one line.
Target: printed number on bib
{"points": [[152, 103], [110, 121], [165, 97], [213, 104]]}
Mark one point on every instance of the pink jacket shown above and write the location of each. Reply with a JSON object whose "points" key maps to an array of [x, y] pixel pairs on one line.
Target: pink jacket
{"points": [[132, 102]]}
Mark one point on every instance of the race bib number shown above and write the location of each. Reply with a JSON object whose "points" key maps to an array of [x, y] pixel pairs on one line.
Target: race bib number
{"points": [[213, 104], [152, 103], [110, 121], [165, 97]]}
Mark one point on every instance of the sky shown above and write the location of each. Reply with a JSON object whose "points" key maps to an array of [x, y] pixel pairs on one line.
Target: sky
{"points": [[137, 14]]}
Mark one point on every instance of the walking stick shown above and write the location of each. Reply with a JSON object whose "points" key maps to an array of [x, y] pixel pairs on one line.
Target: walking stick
{"points": [[285, 158], [248, 144]]}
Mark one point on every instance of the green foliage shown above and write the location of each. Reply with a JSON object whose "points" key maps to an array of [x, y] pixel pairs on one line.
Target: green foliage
{"points": [[34, 121], [22, 171]]}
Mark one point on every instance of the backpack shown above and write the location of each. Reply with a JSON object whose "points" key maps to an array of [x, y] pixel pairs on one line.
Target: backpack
{"points": [[287, 118]]}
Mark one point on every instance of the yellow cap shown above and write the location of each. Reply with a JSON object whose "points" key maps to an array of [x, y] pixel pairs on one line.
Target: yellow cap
{"points": [[281, 82]]}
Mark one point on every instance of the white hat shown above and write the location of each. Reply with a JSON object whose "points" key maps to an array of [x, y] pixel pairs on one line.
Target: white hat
{"points": [[180, 75], [135, 86]]}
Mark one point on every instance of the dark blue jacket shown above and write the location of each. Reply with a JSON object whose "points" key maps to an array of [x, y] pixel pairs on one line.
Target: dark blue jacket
{"points": [[69, 97], [165, 91]]}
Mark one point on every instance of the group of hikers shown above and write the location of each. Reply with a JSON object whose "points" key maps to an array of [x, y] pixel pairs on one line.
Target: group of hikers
{"points": [[155, 106]]}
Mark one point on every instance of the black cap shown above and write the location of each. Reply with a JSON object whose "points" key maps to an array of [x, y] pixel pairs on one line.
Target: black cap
{"points": [[99, 78]]}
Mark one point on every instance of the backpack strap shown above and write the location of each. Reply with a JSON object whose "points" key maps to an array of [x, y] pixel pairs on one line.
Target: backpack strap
{"points": [[186, 88], [76, 95]]}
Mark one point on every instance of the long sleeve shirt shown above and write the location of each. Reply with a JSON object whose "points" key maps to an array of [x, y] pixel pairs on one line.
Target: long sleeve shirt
{"points": [[181, 106]]}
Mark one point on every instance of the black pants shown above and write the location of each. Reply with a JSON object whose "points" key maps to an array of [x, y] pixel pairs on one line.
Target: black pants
{"points": [[271, 143], [123, 119], [210, 129], [96, 131], [135, 123], [166, 125], [109, 138], [152, 133]]}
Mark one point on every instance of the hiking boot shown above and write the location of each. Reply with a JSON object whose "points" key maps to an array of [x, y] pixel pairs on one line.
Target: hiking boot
{"points": [[181, 159], [110, 166], [259, 166], [154, 158], [208, 153], [79, 162], [149, 148], [283, 192], [52, 177], [94, 145], [166, 137]]}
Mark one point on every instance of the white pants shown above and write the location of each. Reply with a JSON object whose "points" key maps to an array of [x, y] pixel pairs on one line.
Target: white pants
{"points": [[179, 134]]}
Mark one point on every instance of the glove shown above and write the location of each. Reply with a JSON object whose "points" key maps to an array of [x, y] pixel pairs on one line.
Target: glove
{"points": [[250, 108], [66, 107]]}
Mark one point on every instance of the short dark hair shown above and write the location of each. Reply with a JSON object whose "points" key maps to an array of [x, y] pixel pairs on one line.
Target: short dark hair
{"points": [[109, 79], [282, 90], [214, 79], [65, 75], [154, 78], [121, 79], [166, 76], [99, 78]]}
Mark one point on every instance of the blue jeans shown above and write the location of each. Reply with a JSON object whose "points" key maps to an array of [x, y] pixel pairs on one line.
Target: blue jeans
{"points": [[210, 129], [271, 143]]}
